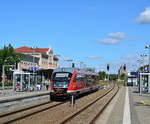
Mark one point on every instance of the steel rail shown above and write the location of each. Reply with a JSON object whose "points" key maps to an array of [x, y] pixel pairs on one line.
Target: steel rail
{"points": [[105, 106], [8, 114], [20, 110], [70, 117], [9, 119]]}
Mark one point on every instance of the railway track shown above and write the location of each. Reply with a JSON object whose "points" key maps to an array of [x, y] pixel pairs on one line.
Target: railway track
{"points": [[86, 114], [15, 115], [52, 112]]}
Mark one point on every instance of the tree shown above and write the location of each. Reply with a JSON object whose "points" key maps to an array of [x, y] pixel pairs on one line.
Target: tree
{"points": [[90, 69], [143, 68], [123, 76], [102, 75], [8, 56], [113, 77]]}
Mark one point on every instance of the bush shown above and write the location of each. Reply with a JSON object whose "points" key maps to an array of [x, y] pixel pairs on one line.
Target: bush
{"points": [[122, 83], [7, 84]]}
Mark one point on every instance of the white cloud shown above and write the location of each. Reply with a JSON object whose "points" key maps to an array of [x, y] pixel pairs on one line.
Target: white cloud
{"points": [[134, 38], [128, 57], [108, 41], [117, 35], [144, 17], [94, 57]]}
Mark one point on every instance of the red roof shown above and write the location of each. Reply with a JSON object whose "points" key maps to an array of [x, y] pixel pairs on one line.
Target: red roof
{"points": [[25, 49]]}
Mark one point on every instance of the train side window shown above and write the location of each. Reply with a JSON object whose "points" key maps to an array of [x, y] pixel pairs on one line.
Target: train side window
{"points": [[94, 79], [79, 77], [75, 78], [90, 80]]}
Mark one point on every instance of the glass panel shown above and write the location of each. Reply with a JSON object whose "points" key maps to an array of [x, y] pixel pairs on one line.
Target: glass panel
{"points": [[61, 79]]}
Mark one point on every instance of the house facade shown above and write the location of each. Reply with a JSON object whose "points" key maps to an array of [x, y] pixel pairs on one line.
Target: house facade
{"points": [[41, 60], [122, 70]]}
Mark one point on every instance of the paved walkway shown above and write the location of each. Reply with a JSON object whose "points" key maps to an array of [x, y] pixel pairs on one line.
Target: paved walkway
{"points": [[128, 107], [140, 107], [9, 94], [11, 100], [114, 112]]}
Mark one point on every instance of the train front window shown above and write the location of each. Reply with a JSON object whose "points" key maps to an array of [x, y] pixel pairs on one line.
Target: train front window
{"points": [[61, 79]]}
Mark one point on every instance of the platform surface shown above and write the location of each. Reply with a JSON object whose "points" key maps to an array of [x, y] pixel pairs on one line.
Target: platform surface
{"points": [[10, 94], [117, 113]]}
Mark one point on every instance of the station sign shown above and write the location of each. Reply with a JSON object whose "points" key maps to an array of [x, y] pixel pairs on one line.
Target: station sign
{"points": [[146, 69], [34, 68], [134, 73]]}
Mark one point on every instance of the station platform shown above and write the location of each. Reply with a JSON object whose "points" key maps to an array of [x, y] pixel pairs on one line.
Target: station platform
{"points": [[127, 107], [10, 95]]}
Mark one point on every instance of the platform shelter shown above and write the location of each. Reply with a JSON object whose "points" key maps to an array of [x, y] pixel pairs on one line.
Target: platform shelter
{"points": [[144, 82], [21, 81]]}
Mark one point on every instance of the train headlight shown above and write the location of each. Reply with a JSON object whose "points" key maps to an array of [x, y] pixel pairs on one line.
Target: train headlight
{"points": [[66, 85]]}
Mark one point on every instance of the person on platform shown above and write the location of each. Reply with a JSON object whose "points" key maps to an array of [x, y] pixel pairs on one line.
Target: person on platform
{"points": [[47, 84]]}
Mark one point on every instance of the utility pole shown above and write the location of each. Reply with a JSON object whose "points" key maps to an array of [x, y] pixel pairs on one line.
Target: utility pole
{"points": [[3, 74], [143, 60], [34, 67], [108, 66], [148, 47], [3, 77]]}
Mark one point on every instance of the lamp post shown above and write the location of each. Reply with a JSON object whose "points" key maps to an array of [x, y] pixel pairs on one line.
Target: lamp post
{"points": [[148, 47], [33, 50], [3, 77], [140, 61], [143, 57], [143, 60], [3, 74], [34, 65]]}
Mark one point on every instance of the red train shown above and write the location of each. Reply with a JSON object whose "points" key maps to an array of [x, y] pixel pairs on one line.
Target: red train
{"points": [[68, 81]]}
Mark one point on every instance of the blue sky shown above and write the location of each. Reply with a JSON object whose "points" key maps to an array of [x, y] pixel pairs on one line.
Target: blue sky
{"points": [[95, 32]]}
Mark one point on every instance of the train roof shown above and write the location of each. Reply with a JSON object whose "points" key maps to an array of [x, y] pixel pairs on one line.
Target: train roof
{"points": [[65, 70], [71, 70]]}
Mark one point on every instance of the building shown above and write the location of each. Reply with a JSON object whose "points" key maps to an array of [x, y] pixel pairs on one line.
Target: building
{"points": [[122, 70], [132, 79], [40, 60]]}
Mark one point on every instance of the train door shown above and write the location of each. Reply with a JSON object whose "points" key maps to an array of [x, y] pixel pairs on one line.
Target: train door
{"points": [[89, 80], [79, 80]]}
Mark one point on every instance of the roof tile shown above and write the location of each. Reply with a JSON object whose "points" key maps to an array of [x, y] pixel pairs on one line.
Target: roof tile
{"points": [[25, 49]]}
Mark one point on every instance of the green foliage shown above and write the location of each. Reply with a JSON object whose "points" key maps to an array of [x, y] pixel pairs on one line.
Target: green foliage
{"points": [[113, 77], [142, 68], [121, 83], [122, 77], [90, 69], [7, 84], [8, 56], [102, 75]]}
